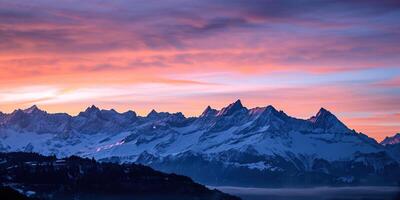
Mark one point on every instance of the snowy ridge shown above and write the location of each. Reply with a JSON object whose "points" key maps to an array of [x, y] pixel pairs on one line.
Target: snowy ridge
{"points": [[263, 139], [266, 130], [391, 140]]}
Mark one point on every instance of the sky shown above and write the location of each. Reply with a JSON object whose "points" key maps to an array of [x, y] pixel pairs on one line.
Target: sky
{"points": [[182, 55]]}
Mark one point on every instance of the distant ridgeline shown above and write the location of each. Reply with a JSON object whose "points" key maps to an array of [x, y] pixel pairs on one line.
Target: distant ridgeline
{"points": [[233, 146], [46, 177]]}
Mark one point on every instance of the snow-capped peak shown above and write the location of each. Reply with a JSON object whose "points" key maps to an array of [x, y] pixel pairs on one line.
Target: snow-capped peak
{"points": [[152, 113], [391, 140], [327, 121], [129, 114], [322, 115], [232, 108], [208, 112], [90, 111], [165, 116], [92, 108], [32, 109], [271, 109]]}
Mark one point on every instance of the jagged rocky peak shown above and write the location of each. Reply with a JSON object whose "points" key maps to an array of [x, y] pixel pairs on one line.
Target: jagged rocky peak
{"points": [[130, 114], [110, 112], [164, 115], [322, 114], [32, 109], [107, 114], [232, 108], [328, 121], [208, 112], [152, 113], [271, 109], [113, 111], [178, 115], [92, 110], [395, 139], [263, 110]]}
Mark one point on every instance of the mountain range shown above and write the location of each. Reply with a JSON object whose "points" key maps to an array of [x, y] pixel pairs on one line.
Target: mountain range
{"points": [[233, 146]]}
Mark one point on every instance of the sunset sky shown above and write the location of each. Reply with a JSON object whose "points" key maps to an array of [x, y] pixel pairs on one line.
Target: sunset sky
{"points": [[182, 55]]}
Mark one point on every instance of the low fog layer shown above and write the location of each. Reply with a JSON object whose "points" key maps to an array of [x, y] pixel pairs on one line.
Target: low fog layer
{"points": [[319, 193]]}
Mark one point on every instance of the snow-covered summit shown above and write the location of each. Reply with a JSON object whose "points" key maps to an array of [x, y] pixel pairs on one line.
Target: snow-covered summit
{"points": [[32, 109], [155, 116], [91, 110], [325, 120], [395, 139], [232, 108], [208, 112]]}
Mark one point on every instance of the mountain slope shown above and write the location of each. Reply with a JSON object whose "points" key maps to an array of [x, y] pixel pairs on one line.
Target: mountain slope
{"points": [[231, 146]]}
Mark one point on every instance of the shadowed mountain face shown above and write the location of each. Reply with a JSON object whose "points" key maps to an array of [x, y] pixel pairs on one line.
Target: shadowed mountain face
{"points": [[232, 146], [9, 193], [52, 178]]}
